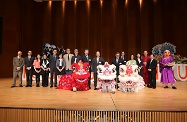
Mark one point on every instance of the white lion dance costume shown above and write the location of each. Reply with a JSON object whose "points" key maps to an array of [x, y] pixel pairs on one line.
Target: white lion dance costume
{"points": [[130, 80], [106, 76]]}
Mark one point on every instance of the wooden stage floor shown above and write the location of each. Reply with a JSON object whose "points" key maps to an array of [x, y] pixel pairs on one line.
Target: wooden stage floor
{"points": [[158, 99]]}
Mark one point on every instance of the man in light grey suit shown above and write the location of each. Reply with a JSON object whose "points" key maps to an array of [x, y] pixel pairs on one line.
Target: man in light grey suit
{"points": [[18, 63], [67, 57]]}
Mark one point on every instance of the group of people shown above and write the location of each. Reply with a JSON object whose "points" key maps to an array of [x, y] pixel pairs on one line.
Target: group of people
{"points": [[60, 63]]}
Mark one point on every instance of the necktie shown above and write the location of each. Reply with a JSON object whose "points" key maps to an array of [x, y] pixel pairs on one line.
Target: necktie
{"points": [[117, 60], [54, 57], [87, 57], [97, 60], [68, 57]]}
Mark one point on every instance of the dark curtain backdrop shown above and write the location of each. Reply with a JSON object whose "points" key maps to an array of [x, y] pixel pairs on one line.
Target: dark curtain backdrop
{"points": [[108, 26]]}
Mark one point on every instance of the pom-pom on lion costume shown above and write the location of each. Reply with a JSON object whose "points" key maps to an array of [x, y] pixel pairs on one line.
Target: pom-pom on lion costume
{"points": [[130, 80], [106, 76]]}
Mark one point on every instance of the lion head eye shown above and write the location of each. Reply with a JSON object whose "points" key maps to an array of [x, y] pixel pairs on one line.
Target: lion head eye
{"points": [[121, 70]]}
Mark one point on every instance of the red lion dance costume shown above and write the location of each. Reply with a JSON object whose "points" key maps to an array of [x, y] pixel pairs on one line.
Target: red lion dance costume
{"points": [[78, 81]]}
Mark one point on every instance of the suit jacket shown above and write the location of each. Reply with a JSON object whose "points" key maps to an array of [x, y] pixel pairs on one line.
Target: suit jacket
{"points": [[29, 63], [152, 65], [139, 63], [58, 63], [68, 62], [78, 58], [52, 63], [124, 60], [89, 60], [117, 64], [95, 64], [18, 63]]}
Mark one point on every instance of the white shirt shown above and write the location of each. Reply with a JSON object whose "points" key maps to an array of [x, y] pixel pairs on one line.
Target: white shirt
{"points": [[60, 62]]}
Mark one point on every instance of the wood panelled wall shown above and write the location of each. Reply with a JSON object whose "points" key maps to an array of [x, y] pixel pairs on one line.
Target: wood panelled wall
{"points": [[108, 26]]}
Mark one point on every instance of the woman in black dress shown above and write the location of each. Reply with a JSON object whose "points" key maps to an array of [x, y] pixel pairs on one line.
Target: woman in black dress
{"points": [[60, 65], [45, 70], [140, 64]]}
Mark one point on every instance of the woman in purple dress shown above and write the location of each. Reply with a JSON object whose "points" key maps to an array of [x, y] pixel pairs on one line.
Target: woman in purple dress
{"points": [[166, 63]]}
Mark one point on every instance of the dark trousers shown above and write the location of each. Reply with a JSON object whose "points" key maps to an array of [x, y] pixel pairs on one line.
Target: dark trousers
{"points": [[37, 78], [45, 77], [95, 79], [29, 77], [51, 79], [152, 79], [89, 80]]}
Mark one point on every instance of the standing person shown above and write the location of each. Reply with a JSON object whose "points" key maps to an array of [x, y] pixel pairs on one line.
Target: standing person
{"points": [[117, 61], [67, 57], [60, 65], [29, 68], [37, 69], [123, 58], [145, 59], [87, 58], [62, 51], [18, 63], [166, 63], [95, 62], [140, 65], [45, 70], [52, 67], [151, 66], [76, 58], [132, 61]]}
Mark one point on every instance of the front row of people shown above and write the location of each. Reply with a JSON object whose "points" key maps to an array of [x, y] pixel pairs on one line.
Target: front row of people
{"points": [[63, 65]]}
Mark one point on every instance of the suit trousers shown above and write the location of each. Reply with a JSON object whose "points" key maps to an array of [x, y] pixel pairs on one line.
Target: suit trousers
{"points": [[51, 79], [95, 79], [152, 79], [15, 74], [29, 77]]}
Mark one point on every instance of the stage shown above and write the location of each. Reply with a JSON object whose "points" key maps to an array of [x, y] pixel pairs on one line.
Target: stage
{"points": [[158, 99]]}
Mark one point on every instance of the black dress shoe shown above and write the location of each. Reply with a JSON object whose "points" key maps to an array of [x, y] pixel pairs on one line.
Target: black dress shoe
{"points": [[166, 87], [20, 86], [27, 86], [154, 87], [150, 87], [13, 86], [30, 85], [173, 87], [95, 88], [55, 85], [51, 86]]}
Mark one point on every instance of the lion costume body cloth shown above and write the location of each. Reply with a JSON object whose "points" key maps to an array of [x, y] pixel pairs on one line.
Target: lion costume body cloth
{"points": [[106, 76], [78, 80], [130, 80]]}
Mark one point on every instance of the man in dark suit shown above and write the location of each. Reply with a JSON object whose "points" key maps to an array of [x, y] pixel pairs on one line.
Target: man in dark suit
{"points": [[52, 67], [29, 68], [18, 63], [76, 57], [123, 58], [151, 66], [117, 61], [95, 62], [87, 58]]}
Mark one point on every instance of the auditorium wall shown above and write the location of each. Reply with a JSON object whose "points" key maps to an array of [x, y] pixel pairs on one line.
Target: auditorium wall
{"points": [[108, 26]]}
